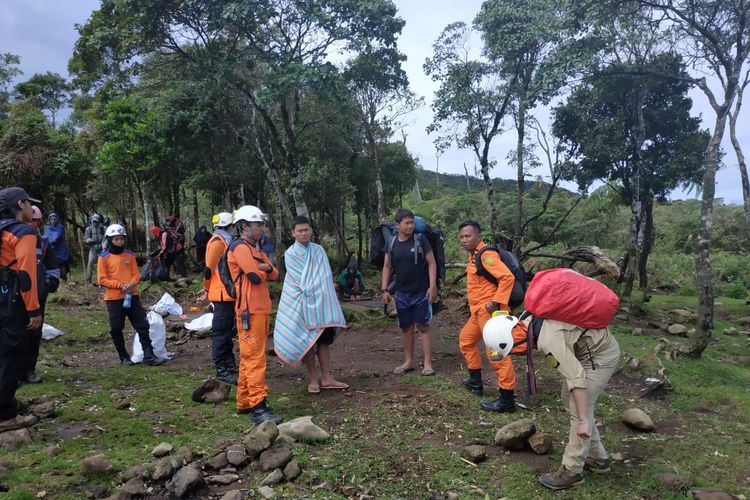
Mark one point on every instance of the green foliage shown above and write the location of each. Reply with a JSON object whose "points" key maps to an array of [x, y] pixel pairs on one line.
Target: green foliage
{"points": [[48, 91]]}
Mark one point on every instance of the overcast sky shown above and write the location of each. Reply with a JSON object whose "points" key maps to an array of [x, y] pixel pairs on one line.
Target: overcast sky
{"points": [[42, 33]]}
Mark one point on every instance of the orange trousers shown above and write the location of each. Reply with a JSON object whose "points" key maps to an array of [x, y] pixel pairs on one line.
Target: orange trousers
{"points": [[251, 382], [471, 335]]}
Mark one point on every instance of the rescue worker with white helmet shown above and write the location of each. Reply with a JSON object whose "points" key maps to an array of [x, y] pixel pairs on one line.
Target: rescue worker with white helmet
{"points": [[223, 323], [250, 269], [118, 273]]}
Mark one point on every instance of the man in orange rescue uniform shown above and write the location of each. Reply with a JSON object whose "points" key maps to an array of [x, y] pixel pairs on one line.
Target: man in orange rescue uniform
{"points": [[222, 325], [250, 269], [485, 298]]}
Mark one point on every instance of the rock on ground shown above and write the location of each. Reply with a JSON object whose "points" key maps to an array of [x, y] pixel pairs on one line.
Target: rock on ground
{"points": [[236, 454], [513, 436], [266, 492], [710, 494], [677, 329], [304, 429], [135, 487], [273, 478], [212, 391], [44, 410], [185, 454], [540, 442], [292, 470], [223, 478], [232, 495], [135, 471], [95, 464], [186, 479], [275, 457], [12, 440], [638, 419], [260, 438], [162, 449], [218, 461], [165, 467], [474, 453], [672, 482]]}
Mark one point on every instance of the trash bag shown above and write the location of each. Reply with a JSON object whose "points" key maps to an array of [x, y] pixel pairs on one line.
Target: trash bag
{"points": [[201, 324], [157, 330], [50, 332], [167, 305], [160, 270]]}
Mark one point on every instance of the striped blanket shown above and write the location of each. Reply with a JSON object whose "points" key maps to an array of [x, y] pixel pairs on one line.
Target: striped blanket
{"points": [[308, 302]]}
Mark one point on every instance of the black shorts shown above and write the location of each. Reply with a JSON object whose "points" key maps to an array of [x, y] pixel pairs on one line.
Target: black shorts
{"points": [[326, 338]]}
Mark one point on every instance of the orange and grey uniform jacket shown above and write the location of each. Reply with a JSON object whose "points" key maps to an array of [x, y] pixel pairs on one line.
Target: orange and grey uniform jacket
{"points": [[479, 290], [18, 253], [115, 270], [215, 249], [243, 260]]}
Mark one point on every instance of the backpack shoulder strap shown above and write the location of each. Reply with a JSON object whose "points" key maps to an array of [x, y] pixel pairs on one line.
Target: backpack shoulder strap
{"points": [[389, 246], [481, 271]]}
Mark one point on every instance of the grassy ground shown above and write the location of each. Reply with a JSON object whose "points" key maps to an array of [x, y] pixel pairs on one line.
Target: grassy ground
{"points": [[393, 437]]}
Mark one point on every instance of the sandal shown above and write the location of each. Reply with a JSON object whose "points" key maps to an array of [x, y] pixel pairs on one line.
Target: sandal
{"points": [[313, 388], [336, 385], [402, 369], [428, 372]]}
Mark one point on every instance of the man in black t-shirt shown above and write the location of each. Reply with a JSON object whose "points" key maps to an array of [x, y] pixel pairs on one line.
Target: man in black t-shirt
{"points": [[411, 258]]}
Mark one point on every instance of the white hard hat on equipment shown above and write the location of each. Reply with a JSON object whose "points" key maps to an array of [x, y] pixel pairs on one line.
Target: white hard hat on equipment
{"points": [[223, 219], [498, 335]]}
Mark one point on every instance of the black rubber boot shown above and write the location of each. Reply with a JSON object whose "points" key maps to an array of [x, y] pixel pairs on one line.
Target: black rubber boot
{"points": [[126, 361], [262, 412], [474, 382], [150, 359], [506, 403], [223, 374], [231, 365]]}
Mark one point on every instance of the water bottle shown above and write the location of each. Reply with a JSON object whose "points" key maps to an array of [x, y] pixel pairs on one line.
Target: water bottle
{"points": [[127, 300]]}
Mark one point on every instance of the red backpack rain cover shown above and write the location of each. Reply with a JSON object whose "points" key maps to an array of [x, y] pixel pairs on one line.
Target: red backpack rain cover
{"points": [[568, 296]]}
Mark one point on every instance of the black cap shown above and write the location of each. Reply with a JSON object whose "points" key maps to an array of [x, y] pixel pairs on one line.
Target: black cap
{"points": [[10, 197]]}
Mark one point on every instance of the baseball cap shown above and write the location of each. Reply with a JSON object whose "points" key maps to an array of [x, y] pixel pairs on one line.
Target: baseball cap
{"points": [[9, 197]]}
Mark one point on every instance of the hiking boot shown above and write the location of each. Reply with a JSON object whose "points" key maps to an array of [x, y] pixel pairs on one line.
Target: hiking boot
{"points": [[262, 412], [32, 378], [474, 382], [17, 422], [126, 361], [150, 359], [597, 465], [232, 365], [561, 479], [223, 374], [506, 403]]}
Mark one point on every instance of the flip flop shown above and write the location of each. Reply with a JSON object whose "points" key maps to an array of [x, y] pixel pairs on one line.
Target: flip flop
{"points": [[400, 369], [338, 385], [313, 388], [428, 372]]}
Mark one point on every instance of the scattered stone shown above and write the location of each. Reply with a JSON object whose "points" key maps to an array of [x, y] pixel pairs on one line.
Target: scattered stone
{"points": [[637, 331], [677, 329], [261, 437], [212, 391], [325, 485], [540, 442], [638, 419], [186, 479], [185, 454], [123, 404], [44, 410], [5, 469], [236, 454], [634, 363], [133, 472], [673, 482], [218, 461], [135, 487], [745, 320], [731, 331], [690, 333], [513, 436], [165, 467], [474, 453], [162, 449], [710, 494], [232, 495], [284, 439], [283, 400], [12, 440], [120, 495], [452, 495], [292, 470], [95, 464], [275, 457], [684, 313], [52, 450], [617, 457], [223, 478], [273, 478], [349, 490], [222, 444], [303, 429], [266, 492]]}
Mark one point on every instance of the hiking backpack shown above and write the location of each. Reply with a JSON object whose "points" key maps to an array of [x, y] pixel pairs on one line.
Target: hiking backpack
{"points": [[518, 293], [225, 275], [10, 288]]}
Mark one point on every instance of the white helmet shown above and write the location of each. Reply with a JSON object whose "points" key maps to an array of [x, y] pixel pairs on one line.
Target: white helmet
{"points": [[115, 230], [498, 335], [223, 219], [248, 213]]}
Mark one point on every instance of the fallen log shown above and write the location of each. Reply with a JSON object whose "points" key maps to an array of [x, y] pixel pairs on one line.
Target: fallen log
{"points": [[593, 255]]}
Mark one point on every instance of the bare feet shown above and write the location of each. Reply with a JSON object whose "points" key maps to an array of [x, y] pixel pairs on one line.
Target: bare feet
{"points": [[331, 383], [406, 367]]}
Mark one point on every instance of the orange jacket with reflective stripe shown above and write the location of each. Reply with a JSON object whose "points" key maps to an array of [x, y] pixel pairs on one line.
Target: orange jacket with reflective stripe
{"points": [[243, 259], [115, 270], [213, 286], [480, 291], [18, 252]]}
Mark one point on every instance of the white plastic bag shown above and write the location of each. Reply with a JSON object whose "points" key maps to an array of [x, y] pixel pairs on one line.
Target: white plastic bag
{"points": [[157, 331], [50, 332], [201, 323], [167, 305]]}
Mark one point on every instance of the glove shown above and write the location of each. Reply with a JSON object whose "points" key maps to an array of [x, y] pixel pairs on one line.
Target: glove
{"points": [[206, 273], [254, 278], [52, 284]]}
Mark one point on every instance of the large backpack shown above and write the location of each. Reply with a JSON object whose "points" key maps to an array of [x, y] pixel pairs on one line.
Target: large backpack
{"points": [[518, 293], [225, 275], [567, 296], [10, 289]]}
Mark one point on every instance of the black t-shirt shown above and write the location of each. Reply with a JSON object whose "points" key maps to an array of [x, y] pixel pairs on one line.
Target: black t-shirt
{"points": [[411, 277]]}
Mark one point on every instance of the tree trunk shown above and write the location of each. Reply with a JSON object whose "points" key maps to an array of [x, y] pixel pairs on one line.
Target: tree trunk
{"points": [[379, 191], [416, 188], [146, 225], [703, 270], [359, 238], [647, 227], [636, 209], [176, 199], [520, 188], [196, 214], [740, 160], [494, 223]]}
